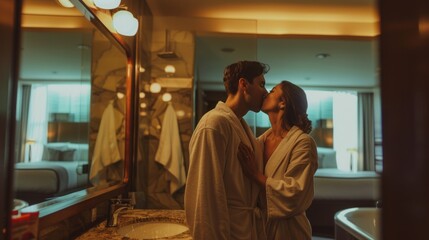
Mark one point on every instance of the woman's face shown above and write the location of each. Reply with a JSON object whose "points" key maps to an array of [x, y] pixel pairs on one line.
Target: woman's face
{"points": [[273, 101]]}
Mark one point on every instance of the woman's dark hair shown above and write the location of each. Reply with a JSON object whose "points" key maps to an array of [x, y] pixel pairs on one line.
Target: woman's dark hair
{"points": [[242, 69], [296, 107]]}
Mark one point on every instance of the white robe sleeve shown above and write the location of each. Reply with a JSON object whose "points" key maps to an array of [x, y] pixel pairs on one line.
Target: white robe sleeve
{"points": [[205, 196]]}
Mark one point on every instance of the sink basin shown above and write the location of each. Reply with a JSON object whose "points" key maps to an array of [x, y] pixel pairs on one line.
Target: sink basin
{"points": [[152, 230]]}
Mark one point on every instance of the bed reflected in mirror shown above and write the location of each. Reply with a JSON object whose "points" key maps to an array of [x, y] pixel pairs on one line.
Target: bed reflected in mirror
{"points": [[70, 105]]}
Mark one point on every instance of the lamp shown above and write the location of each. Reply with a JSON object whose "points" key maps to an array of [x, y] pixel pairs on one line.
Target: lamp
{"points": [[107, 4], [29, 142], [125, 23]]}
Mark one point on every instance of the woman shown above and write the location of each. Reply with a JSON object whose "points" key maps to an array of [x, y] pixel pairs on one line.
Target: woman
{"points": [[290, 161]]}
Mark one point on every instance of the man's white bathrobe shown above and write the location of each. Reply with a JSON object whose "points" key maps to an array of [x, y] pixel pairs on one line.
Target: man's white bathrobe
{"points": [[220, 202], [290, 186]]}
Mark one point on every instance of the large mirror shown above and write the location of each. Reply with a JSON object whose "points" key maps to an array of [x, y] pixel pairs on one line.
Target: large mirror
{"points": [[70, 131], [329, 49], [336, 62]]}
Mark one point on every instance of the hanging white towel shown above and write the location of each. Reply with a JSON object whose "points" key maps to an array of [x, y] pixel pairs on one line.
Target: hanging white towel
{"points": [[106, 151], [169, 152]]}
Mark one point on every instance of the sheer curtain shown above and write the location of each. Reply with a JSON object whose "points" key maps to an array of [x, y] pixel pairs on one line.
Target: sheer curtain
{"points": [[70, 98], [37, 128], [366, 160], [22, 122]]}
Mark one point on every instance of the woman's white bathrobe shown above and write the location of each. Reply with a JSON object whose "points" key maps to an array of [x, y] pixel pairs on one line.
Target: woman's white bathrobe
{"points": [[220, 202], [290, 186]]}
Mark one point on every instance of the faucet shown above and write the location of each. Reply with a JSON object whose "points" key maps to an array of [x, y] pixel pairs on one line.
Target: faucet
{"points": [[115, 207]]}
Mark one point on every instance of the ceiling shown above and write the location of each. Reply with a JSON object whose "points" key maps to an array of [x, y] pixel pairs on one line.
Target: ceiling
{"points": [[323, 17], [286, 34], [350, 64]]}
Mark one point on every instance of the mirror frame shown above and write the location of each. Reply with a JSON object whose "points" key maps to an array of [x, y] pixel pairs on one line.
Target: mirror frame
{"points": [[10, 11], [61, 208]]}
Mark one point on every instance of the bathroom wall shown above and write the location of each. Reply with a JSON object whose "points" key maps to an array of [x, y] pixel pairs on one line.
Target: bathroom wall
{"points": [[109, 71], [180, 85]]}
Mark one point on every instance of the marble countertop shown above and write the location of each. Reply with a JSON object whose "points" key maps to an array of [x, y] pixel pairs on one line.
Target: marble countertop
{"points": [[133, 216]]}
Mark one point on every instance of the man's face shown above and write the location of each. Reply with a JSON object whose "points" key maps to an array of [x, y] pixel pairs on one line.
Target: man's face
{"points": [[257, 93]]}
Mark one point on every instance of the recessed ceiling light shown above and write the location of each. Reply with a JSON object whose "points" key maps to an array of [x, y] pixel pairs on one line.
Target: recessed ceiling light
{"points": [[322, 55]]}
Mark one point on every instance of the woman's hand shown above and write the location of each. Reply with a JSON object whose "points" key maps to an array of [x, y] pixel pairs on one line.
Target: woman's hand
{"points": [[249, 164]]}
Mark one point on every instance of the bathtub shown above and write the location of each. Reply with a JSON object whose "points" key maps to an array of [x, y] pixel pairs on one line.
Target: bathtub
{"points": [[358, 223]]}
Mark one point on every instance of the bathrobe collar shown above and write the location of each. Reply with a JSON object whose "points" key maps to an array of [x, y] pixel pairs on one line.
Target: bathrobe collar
{"points": [[246, 136], [240, 126], [282, 149]]}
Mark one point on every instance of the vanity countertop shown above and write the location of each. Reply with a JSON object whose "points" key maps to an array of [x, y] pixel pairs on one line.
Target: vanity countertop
{"points": [[132, 216]]}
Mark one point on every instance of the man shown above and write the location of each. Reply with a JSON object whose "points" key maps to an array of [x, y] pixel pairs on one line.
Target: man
{"points": [[220, 202]]}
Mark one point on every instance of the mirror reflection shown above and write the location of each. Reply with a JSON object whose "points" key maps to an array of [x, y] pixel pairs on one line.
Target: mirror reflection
{"points": [[71, 104]]}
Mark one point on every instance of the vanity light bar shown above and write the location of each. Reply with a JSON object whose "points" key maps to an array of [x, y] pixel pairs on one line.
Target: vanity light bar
{"points": [[107, 4], [65, 3]]}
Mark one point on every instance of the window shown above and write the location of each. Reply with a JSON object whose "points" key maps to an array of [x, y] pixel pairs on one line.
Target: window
{"points": [[47, 104], [334, 117]]}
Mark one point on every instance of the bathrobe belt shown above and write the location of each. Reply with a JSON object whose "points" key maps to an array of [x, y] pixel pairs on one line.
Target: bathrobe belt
{"points": [[256, 213]]}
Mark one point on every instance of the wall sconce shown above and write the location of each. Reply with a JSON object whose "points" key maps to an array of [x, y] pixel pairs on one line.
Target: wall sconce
{"points": [[107, 4], [125, 23], [65, 3]]}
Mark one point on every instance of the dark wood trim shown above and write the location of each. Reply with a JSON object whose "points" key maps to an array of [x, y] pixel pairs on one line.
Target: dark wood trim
{"points": [[404, 58], [10, 31], [56, 210]]}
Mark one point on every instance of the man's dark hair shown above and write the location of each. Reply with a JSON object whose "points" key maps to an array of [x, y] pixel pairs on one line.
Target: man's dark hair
{"points": [[242, 69]]}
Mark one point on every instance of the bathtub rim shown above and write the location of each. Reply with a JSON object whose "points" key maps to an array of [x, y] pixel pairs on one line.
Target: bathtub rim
{"points": [[342, 221]]}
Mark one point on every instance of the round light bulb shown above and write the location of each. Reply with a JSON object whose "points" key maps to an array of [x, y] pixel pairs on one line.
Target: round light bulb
{"points": [[107, 4], [125, 23], [155, 88], [166, 97], [170, 69], [120, 95], [142, 95]]}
